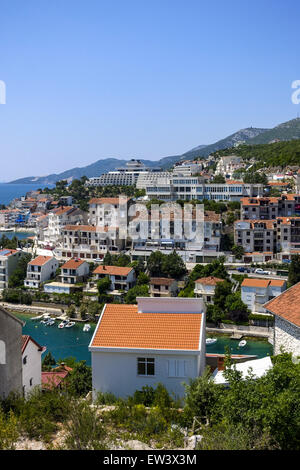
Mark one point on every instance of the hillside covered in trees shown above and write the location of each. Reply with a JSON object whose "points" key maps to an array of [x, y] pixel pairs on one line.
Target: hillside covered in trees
{"points": [[277, 154]]}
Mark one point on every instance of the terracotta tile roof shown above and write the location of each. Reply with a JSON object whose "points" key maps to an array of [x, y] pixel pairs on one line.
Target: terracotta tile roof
{"points": [[161, 281], [112, 270], [53, 379], [209, 281], [107, 200], [287, 305], [122, 326], [62, 210], [73, 263], [80, 228], [40, 260], [248, 282]]}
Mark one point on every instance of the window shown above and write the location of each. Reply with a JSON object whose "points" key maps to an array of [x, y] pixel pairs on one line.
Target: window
{"points": [[30, 382], [145, 366], [176, 368], [25, 360]]}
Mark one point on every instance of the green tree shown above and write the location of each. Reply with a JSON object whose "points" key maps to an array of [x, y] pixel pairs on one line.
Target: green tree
{"points": [[80, 379], [238, 251], [136, 291]]}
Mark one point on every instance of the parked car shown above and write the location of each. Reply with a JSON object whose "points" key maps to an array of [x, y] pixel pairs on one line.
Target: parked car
{"points": [[243, 269], [261, 271]]}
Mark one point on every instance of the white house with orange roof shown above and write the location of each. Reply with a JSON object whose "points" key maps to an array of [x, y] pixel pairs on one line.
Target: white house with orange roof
{"points": [[73, 271], [205, 288], [39, 270], [159, 340], [256, 292], [286, 311], [31, 364], [121, 278]]}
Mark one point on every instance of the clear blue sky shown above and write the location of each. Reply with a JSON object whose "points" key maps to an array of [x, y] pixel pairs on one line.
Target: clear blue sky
{"points": [[93, 79]]}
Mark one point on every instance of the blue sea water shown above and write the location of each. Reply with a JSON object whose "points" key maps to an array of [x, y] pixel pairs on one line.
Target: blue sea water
{"points": [[8, 192], [62, 343]]}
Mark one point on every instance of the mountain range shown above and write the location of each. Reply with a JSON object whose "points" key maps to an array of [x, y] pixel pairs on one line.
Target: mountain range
{"points": [[251, 135]]}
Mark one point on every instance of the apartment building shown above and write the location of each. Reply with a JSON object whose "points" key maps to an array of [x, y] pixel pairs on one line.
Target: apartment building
{"points": [[269, 236], [39, 270], [172, 188], [57, 220], [8, 262], [109, 212], [228, 164], [125, 176], [288, 234], [256, 292], [264, 208], [256, 235], [89, 242], [174, 228]]}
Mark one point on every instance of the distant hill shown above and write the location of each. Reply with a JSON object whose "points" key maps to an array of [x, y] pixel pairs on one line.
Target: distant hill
{"points": [[95, 169], [289, 130], [243, 135], [286, 131]]}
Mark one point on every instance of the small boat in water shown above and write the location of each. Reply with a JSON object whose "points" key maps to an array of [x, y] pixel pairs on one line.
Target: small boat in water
{"points": [[211, 340], [70, 324], [242, 343], [87, 327], [63, 324], [50, 322]]}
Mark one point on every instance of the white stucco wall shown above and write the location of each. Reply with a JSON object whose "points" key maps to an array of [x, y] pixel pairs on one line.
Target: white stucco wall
{"points": [[116, 372], [33, 367], [286, 335]]}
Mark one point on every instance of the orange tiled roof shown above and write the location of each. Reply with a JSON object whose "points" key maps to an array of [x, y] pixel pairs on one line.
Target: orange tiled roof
{"points": [[73, 263], [209, 281], [40, 260], [122, 326], [112, 270], [80, 228], [248, 282], [107, 200], [161, 281], [287, 305]]}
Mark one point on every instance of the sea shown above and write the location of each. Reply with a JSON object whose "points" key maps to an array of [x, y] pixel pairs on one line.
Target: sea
{"points": [[62, 343], [8, 192], [73, 342]]}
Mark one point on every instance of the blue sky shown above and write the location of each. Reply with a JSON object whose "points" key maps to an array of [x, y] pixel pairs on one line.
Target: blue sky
{"points": [[91, 79]]}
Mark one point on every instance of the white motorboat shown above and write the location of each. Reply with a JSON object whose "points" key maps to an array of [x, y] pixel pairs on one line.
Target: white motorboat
{"points": [[45, 320], [87, 327], [40, 317], [70, 324], [211, 340], [63, 324], [242, 343], [50, 322]]}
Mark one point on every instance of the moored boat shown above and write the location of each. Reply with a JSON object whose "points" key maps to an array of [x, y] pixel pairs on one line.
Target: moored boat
{"points": [[87, 327], [242, 343], [211, 340]]}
